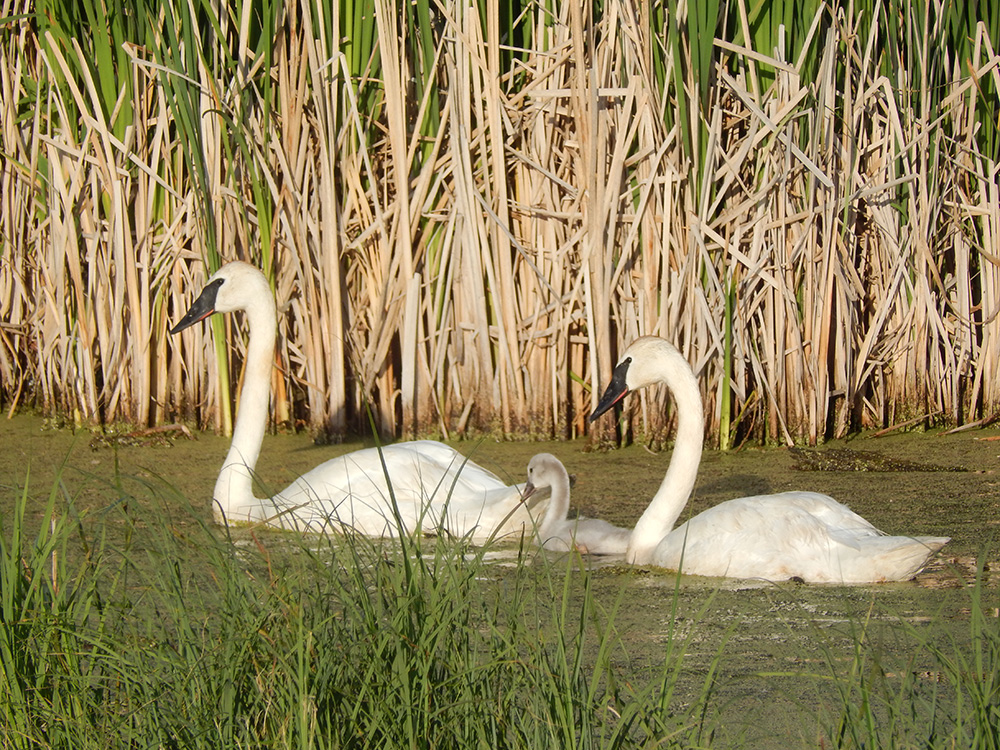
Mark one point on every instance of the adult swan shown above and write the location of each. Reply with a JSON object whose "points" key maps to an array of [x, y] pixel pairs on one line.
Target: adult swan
{"points": [[433, 487], [803, 535]]}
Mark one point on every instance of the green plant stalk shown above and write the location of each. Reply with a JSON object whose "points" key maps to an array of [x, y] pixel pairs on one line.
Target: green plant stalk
{"points": [[725, 387], [421, 30], [675, 51], [182, 33]]}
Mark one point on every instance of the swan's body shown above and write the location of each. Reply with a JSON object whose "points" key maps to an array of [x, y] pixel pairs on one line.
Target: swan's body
{"points": [[435, 488], [588, 535], [803, 535]]}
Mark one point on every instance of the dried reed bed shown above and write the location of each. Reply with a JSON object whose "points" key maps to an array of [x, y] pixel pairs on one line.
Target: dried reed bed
{"points": [[813, 223]]}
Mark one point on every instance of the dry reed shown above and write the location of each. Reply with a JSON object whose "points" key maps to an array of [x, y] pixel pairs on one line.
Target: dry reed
{"points": [[463, 233]]}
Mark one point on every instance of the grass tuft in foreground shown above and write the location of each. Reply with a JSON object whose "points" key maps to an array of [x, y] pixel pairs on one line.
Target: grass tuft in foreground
{"points": [[138, 626], [944, 691], [179, 635]]}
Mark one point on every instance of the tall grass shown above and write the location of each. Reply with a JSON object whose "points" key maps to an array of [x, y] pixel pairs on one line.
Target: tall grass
{"points": [[135, 626], [461, 206], [158, 633], [933, 692]]}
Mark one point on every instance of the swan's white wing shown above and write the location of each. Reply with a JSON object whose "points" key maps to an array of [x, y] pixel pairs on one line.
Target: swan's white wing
{"points": [[433, 486], [755, 537], [791, 535], [450, 459]]}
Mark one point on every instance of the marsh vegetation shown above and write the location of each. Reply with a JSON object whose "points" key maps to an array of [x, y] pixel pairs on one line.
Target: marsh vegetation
{"points": [[130, 620], [467, 211]]}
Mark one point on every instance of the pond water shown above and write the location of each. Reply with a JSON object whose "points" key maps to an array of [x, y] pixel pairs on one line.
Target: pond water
{"points": [[772, 647]]}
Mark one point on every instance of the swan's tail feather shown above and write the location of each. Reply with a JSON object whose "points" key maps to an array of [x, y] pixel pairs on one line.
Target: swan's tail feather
{"points": [[899, 558], [933, 543]]}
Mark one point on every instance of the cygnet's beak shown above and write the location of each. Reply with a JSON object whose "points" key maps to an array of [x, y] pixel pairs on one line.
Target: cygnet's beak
{"points": [[528, 491]]}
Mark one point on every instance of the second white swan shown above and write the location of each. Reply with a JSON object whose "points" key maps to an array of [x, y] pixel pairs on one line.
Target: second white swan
{"points": [[800, 535], [431, 487]]}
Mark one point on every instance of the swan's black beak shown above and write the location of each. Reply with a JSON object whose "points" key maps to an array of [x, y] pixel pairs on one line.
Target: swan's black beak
{"points": [[202, 307], [616, 390]]}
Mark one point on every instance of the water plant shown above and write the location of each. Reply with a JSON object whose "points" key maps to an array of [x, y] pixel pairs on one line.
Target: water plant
{"points": [[461, 206]]}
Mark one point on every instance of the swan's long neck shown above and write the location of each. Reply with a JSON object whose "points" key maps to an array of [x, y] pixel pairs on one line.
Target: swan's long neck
{"points": [[558, 505], [663, 510], [234, 487]]}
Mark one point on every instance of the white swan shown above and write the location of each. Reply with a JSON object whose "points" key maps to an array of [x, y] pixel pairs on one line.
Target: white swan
{"points": [[435, 488], [556, 532], [802, 535]]}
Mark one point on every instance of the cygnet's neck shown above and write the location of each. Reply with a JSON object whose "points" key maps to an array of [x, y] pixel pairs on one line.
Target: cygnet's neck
{"points": [[558, 504]]}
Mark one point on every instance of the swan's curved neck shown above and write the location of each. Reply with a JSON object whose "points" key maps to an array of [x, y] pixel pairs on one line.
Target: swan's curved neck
{"points": [[558, 504], [663, 510], [234, 487]]}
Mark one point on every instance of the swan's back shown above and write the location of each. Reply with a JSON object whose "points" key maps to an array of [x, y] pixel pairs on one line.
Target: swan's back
{"points": [[597, 537], [803, 535], [435, 488]]}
